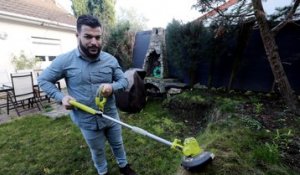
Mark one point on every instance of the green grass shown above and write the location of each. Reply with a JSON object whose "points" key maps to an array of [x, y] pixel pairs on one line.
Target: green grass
{"points": [[38, 145]]}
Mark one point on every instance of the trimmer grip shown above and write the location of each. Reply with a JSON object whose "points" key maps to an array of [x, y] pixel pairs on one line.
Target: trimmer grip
{"points": [[83, 107]]}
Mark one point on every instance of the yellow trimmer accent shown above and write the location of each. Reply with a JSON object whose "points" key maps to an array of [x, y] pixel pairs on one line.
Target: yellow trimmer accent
{"points": [[83, 107], [176, 144], [100, 100], [189, 148]]}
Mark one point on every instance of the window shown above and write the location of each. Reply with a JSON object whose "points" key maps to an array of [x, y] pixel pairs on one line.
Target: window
{"points": [[45, 41], [45, 58], [51, 58], [41, 58], [47, 47]]}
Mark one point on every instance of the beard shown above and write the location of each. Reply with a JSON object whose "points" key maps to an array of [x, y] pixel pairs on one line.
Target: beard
{"points": [[89, 54]]}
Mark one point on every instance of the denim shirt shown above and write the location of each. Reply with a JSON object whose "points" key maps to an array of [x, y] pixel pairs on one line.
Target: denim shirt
{"points": [[83, 77]]}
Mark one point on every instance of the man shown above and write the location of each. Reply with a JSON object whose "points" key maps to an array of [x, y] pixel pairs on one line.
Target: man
{"points": [[85, 69]]}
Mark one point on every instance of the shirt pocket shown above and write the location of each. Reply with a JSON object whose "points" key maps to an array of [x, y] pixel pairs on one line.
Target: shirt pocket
{"points": [[102, 76], [74, 77]]}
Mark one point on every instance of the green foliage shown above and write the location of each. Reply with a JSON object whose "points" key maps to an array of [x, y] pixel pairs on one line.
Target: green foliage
{"points": [[21, 61], [240, 150], [187, 101], [238, 11], [280, 13], [120, 44], [79, 7], [118, 37], [174, 50], [187, 47], [103, 9], [266, 152], [283, 138], [251, 123], [258, 107], [226, 104]]}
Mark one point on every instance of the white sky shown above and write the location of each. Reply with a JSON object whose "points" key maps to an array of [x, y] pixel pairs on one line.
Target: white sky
{"points": [[158, 12], [161, 12]]}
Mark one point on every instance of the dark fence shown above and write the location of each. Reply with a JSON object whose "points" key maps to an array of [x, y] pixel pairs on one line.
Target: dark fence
{"points": [[253, 71], [142, 40]]}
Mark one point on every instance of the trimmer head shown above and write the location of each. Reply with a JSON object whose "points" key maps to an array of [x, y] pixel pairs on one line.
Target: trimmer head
{"points": [[196, 162]]}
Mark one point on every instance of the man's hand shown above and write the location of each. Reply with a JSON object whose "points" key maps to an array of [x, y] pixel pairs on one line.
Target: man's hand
{"points": [[65, 102], [106, 90]]}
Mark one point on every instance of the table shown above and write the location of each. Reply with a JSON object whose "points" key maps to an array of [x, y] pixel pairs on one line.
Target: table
{"points": [[4, 89]]}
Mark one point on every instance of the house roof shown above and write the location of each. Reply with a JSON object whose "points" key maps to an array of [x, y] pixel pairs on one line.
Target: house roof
{"points": [[41, 9]]}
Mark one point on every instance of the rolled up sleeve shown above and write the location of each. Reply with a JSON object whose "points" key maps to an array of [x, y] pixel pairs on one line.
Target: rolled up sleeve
{"points": [[50, 76], [120, 83]]}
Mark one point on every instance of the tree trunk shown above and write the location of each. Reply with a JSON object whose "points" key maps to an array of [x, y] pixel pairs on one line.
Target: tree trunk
{"points": [[273, 56]]}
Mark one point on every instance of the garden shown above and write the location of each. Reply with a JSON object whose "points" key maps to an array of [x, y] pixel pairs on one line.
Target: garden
{"points": [[249, 133]]}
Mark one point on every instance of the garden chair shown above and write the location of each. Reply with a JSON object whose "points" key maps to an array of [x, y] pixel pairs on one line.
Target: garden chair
{"points": [[22, 94], [40, 94]]}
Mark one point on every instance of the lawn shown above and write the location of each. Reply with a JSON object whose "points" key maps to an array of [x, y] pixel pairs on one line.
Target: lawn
{"points": [[249, 134], [40, 145]]}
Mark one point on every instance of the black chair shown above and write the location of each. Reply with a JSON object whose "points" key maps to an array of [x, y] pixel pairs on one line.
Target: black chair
{"points": [[23, 93]]}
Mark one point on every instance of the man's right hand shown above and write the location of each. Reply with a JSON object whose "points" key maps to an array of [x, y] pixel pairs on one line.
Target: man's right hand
{"points": [[65, 102]]}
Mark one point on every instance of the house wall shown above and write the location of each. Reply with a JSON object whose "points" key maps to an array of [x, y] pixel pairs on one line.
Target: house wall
{"points": [[34, 40]]}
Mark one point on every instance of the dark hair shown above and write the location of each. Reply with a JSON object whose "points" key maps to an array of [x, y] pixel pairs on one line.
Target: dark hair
{"points": [[87, 20]]}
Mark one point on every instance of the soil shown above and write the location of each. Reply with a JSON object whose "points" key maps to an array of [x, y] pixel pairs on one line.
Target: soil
{"points": [[273, 116]]}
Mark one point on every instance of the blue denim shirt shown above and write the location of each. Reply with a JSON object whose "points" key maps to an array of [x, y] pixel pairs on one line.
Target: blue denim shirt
{"points": [[83, 77]]}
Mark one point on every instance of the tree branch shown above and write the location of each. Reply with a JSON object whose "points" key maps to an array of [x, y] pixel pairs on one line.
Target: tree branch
{"points": [[237, 14], [287, 19]]}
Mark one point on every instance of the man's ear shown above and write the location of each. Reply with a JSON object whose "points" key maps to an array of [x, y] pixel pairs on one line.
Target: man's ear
{"points": [[77, 34]]}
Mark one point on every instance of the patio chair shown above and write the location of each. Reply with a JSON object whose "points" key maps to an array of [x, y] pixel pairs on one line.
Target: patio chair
{"points": [[40, 94], [22, 94]]}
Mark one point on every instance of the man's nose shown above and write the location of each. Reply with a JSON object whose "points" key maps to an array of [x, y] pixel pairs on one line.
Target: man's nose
{"points": [[94, 40]]}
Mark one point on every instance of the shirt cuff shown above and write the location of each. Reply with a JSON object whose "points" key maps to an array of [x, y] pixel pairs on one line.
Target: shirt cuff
{"points": [[59, 96]]}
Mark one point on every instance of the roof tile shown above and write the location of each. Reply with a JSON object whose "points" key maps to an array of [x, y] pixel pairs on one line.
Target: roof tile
{"points": [[43, 9]]}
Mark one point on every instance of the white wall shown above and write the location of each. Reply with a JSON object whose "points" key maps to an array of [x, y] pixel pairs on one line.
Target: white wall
{"points": [[17, 36]]}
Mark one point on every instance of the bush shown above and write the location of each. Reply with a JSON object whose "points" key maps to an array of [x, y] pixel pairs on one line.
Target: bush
{"points": [[21, 61]]}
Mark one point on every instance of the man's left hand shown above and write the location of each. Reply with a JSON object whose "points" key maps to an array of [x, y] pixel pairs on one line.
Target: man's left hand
{"points": [[106, 90]]}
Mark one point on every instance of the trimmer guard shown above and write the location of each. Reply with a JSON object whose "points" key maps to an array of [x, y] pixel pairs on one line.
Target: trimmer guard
{"points": [[198, 161]]}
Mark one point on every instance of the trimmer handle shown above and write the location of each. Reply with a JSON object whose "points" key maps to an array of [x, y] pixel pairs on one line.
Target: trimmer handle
{"points": [[83, 107], [100, 100]]}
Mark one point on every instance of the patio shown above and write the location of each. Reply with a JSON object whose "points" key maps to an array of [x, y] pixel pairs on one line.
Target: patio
{"points": [[9, 96], [52, 110]]}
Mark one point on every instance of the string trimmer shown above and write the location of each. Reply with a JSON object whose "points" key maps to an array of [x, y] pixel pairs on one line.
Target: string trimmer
{"points": [[194, 156]]}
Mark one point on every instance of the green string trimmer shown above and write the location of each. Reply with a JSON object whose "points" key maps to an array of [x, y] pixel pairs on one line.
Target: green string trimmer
{"points": [[194, 156]]}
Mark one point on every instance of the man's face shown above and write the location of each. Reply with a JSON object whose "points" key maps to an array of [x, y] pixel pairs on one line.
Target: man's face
{"points": [[89, 40]]}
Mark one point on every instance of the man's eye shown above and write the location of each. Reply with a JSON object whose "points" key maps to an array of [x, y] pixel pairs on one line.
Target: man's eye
{"points": [[91, 37], [88, 37]]}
